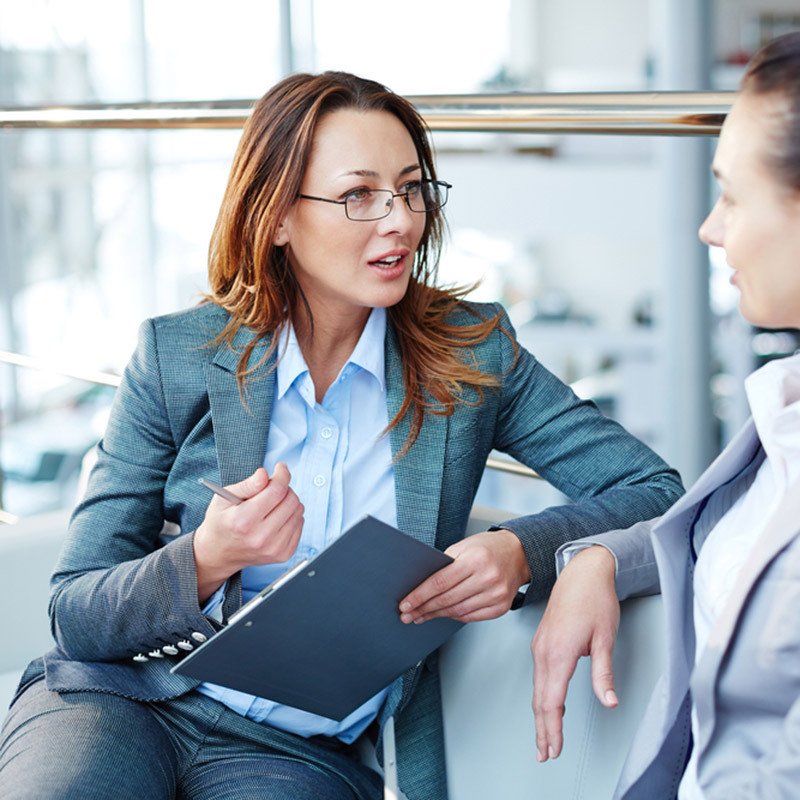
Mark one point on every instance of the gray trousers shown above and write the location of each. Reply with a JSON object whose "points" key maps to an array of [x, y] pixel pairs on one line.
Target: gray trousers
{"points": [[97, 746]]}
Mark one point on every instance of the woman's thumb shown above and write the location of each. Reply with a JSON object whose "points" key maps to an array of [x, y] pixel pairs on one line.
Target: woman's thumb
{"points": [[251, 485]]}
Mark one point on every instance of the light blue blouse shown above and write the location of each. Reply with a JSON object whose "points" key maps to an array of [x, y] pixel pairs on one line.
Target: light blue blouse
{"points": [[341, 468]]}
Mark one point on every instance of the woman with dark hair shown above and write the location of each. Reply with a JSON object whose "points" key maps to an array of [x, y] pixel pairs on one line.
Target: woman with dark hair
{"points": [[325, 377], [724, 721]]}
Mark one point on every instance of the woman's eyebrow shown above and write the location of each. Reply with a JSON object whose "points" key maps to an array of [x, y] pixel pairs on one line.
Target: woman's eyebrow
{"points": [[369, 173], [361, 173]]}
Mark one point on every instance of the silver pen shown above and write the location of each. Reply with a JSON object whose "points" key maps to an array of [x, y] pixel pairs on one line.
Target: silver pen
{"points": [[221, 491]]}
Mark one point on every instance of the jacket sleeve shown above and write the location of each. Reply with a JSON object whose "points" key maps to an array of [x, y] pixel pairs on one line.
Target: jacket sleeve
{"points": [[613, 479], [117, 590], [632, 548]]}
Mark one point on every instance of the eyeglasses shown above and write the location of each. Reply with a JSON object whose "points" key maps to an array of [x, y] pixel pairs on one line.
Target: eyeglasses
{"points": [[367, 205]]}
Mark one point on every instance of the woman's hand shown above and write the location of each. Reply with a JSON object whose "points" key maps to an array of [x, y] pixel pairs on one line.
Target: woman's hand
{"points": [[480, 584], [264, 529], [581, 619]]}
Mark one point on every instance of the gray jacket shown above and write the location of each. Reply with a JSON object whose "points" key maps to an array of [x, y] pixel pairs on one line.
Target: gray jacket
{"points": [[747, 684]]}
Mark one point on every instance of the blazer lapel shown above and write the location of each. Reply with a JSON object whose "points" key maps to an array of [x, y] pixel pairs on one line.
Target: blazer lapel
{"points": [[417, 482], [240, 428], [671, 542], [726, 465], [418, 474], [781, 528]]}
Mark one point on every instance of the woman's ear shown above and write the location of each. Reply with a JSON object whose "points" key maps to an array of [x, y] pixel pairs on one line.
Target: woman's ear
{"points": [[282, 234]]}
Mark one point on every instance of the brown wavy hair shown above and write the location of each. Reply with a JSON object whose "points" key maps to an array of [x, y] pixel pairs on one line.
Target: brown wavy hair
{"points": [[252, 279]]}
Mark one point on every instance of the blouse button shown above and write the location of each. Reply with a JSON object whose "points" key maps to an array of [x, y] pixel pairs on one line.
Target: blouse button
{"points": [[319, 480]]}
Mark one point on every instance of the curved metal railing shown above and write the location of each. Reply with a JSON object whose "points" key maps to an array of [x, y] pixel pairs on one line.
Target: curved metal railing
{"points": [[110, 379]]}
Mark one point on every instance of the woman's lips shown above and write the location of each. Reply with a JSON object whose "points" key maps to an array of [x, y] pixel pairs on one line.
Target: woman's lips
{"points": [[390, 265], [386, 263]]}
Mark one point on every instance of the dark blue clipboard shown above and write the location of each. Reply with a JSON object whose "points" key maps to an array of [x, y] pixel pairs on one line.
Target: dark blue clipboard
{"points": [[327, 636]]}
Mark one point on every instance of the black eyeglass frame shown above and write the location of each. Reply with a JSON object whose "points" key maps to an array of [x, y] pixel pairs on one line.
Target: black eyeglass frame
{"points": [[404, 195]]}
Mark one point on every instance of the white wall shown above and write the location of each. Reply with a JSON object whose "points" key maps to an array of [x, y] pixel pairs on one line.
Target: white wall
{"points": [[607, 50], [583, 219]]}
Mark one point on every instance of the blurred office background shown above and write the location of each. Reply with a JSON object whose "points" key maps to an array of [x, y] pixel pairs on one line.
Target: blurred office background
{"points": [[589, 240]]}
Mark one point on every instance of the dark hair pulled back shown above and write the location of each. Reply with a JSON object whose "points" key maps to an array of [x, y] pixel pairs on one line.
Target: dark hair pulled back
{"points": [[775, 70]]}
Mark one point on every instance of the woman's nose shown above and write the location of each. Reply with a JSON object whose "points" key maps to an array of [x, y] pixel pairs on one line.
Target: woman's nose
{"points": [[399, 218], [711, 231]]}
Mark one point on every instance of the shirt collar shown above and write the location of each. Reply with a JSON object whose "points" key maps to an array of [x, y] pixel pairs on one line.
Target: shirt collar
{"points": [[773, 392], [368, 354]]}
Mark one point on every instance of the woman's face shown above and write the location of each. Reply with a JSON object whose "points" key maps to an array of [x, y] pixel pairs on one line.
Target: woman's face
{"points": [[756, 218], [346, 267]]}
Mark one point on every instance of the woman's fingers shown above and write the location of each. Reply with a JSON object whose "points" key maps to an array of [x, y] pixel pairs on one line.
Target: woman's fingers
{"points": [[251, 485], [263, 529], [487, 571], [581, 619]]}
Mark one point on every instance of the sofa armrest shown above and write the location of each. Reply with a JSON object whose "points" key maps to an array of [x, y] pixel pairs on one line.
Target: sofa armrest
{"points": [[28, 552], [486, 674]]}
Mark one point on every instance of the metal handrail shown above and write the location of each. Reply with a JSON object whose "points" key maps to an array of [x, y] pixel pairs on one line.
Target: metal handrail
{"points": [[19, 360], [512, 467], [110, 379], [649, 113]]}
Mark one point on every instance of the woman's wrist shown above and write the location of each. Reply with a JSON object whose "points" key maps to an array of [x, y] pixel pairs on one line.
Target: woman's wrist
{"points": [[596, 559], [210, 573]]}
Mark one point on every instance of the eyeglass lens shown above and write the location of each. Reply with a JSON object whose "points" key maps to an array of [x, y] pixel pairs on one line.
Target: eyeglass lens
{"points": [[377, 203]]}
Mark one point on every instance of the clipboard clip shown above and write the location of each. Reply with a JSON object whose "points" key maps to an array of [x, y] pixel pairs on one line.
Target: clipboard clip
{"points": [[269, 589]]}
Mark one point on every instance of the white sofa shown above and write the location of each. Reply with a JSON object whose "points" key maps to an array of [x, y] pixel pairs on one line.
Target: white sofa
{"points": [[28, 550], [486, 681]]}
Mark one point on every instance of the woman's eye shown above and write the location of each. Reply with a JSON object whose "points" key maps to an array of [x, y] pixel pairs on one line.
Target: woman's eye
{"points": [[412, 187], [358, 195]]}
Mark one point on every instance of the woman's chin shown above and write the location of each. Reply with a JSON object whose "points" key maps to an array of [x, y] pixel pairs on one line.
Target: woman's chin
{"points": [[769, 318]]}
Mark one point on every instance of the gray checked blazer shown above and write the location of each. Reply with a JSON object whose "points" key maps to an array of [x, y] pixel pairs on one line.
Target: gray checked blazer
{"points": [[124, 587]]}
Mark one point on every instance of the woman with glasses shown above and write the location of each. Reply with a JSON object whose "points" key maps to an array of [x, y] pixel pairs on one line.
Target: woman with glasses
{"points": [[724, 720], [324, 377]]}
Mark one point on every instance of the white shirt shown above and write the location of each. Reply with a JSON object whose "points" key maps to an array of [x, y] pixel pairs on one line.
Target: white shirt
{"points": [[774, 396]]}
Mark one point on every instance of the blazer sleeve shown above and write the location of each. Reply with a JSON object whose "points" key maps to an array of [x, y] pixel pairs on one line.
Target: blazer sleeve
{"points": [[613, 479], [117, 590]]}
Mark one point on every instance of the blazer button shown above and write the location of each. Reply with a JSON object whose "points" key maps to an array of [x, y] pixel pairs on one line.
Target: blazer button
{"points": [[170, 649], [186, 645], [199, 637], [155, 654], [141, 658]]}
